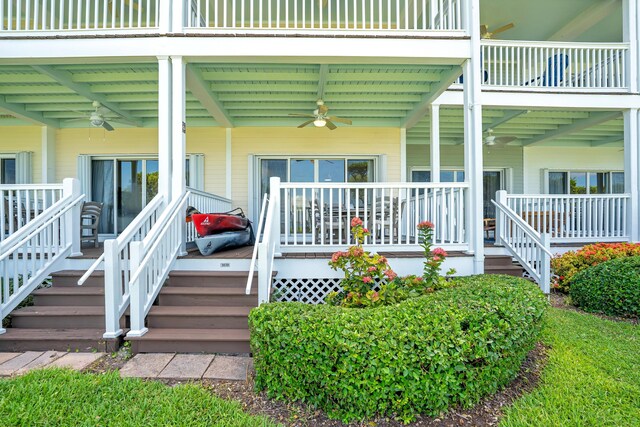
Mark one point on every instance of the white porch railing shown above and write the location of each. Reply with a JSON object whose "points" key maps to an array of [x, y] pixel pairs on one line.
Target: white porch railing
{"points": [[205, 203], [152, 259], [555, 65], [530, 248], [117, 265], [77, 15], [573, 218], [319, 214], [329, 15], [21, 203], [30, 255]]}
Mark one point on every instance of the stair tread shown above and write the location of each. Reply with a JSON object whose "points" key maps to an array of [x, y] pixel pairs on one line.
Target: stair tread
{"points": [[78, 273], [206, 290], [169, 310], [57, 310], [206, 273], [70, 290], [166, 334], [26, 334]]}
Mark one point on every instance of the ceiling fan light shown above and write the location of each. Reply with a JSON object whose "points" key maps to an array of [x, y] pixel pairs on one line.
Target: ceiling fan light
{"points": [[96, 119], [490, 140], [319, 123]]}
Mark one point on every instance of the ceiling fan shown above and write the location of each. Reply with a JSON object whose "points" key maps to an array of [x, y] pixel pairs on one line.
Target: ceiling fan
{"points": [[491, 140], [320, 118], [486, 34], [100, 115]]}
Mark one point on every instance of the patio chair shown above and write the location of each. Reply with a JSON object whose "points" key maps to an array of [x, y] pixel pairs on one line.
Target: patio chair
{"points": [[387, 216], [489, 226], [89, 221], [554, 75]]}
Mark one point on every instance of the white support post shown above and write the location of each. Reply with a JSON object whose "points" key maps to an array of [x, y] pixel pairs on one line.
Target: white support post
{"points": [[403, 155], [48, 155], [228, 149], [630, 29], [473, 141], [179, 128], [178, 15], [71, 188], [274, 197], [435, 143], [112, 290], [137, 292], [165, 16], [545, 276], [164, 127], [501, 199], [263, 269], [631, 174]]}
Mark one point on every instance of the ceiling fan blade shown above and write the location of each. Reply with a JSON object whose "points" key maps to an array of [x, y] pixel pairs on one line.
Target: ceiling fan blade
{"points": [[483, 30], [301, 115], [122, 120], [322, 109], [107, 126], [503, 28], [340, 120], [505, 139], [307, 123], [330, 124]]}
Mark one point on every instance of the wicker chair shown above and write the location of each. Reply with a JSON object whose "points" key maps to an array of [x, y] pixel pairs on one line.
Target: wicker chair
{"points": [[89, 221]]}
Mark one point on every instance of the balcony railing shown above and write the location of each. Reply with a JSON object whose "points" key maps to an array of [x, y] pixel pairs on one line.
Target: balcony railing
{"points": [[554, 66], [21, 16], [328, 15]]}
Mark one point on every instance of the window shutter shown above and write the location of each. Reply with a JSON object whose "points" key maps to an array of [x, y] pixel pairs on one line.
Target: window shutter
{"points": [[84, 175], [23, 167], [196, 171]]}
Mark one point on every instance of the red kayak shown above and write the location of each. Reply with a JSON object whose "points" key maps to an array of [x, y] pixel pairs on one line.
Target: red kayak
{"points": [[215, 223]]}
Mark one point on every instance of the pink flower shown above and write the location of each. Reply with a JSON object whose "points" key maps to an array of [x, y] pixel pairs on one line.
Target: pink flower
{"points": [[367, 279], [390, 274], [382, 260], [425, 225], [436, 258], [356, 221], [375, 297], [365, 230], [440, 252], [371, 269], [357, 252]]}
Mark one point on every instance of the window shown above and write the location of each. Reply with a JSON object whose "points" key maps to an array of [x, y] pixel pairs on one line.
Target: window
{"points": [[585, 182], [446, 175], [7, 170]]}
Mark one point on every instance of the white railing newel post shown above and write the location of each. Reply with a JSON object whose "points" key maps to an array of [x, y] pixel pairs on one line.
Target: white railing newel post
{"points": [[137, 291], [546, 264], [263, 269], [71, 188], [501, 198], [112, 278], [275, 199]]}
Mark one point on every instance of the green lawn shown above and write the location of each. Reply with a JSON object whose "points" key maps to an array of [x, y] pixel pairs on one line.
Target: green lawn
{"points": [[65, 398], [592, 377]]}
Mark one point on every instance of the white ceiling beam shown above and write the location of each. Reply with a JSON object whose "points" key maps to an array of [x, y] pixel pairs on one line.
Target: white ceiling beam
{"points": [[437, 89], [18, 110], [578, 125], [610, 140], [504, 119], [65, 78], [322, 80], [200, 89], [585, 20]]}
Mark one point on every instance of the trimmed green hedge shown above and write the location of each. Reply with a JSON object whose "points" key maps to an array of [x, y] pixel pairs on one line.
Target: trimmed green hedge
{"points": [[418, 357], [612, 287]]}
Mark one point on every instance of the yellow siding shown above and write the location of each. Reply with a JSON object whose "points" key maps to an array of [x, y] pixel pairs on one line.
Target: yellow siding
{"points": [[211, 142], [24, 138]]}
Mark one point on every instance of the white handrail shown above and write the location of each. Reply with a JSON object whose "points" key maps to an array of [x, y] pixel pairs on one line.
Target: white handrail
{"points": [[152, 260], [258, 233], [270, 239], [24, 264], [117, 265], [530, 248]]}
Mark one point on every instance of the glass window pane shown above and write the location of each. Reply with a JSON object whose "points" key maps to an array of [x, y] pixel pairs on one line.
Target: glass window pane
{"points": [[8, 171], [420, 176], [186, 172], [331, 170], [557, 183], [152, 179], [598, 182], [447, 176], [459, 176], [302, 170], [102, 191], [578, 183], [617, 182], [129, 191], [269, 168], [360, 170]]}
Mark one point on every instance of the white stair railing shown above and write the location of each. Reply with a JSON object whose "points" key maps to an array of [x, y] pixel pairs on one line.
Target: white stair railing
{"points": [[152, 259], [269, 244], [117, 259], [31, 254], [206, 203], [22, 203], [259, 235], [530, 248]]}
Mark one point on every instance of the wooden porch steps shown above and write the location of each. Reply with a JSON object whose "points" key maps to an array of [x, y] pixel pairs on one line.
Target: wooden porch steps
{"points": [[64, 317], [502, 264], [200, 311]]}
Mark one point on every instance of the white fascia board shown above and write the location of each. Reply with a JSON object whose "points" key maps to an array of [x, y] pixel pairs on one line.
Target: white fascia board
{"points": [[249, 49]]}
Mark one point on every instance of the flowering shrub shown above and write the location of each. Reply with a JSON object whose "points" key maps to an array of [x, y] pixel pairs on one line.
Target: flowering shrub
{"points": [[433, 258], [568, 265]]}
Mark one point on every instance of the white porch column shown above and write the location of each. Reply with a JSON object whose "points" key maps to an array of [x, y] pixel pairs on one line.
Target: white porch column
{"points": [[435, 143], [178, 128], [48, 155], [228, 164], [177, 16], [165, 16], [473, 141], [631, 174], [164, 126], [403, 154], [630, 29]]}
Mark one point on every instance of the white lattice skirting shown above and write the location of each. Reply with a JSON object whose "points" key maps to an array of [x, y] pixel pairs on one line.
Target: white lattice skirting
{"points": [[308, 291]]}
